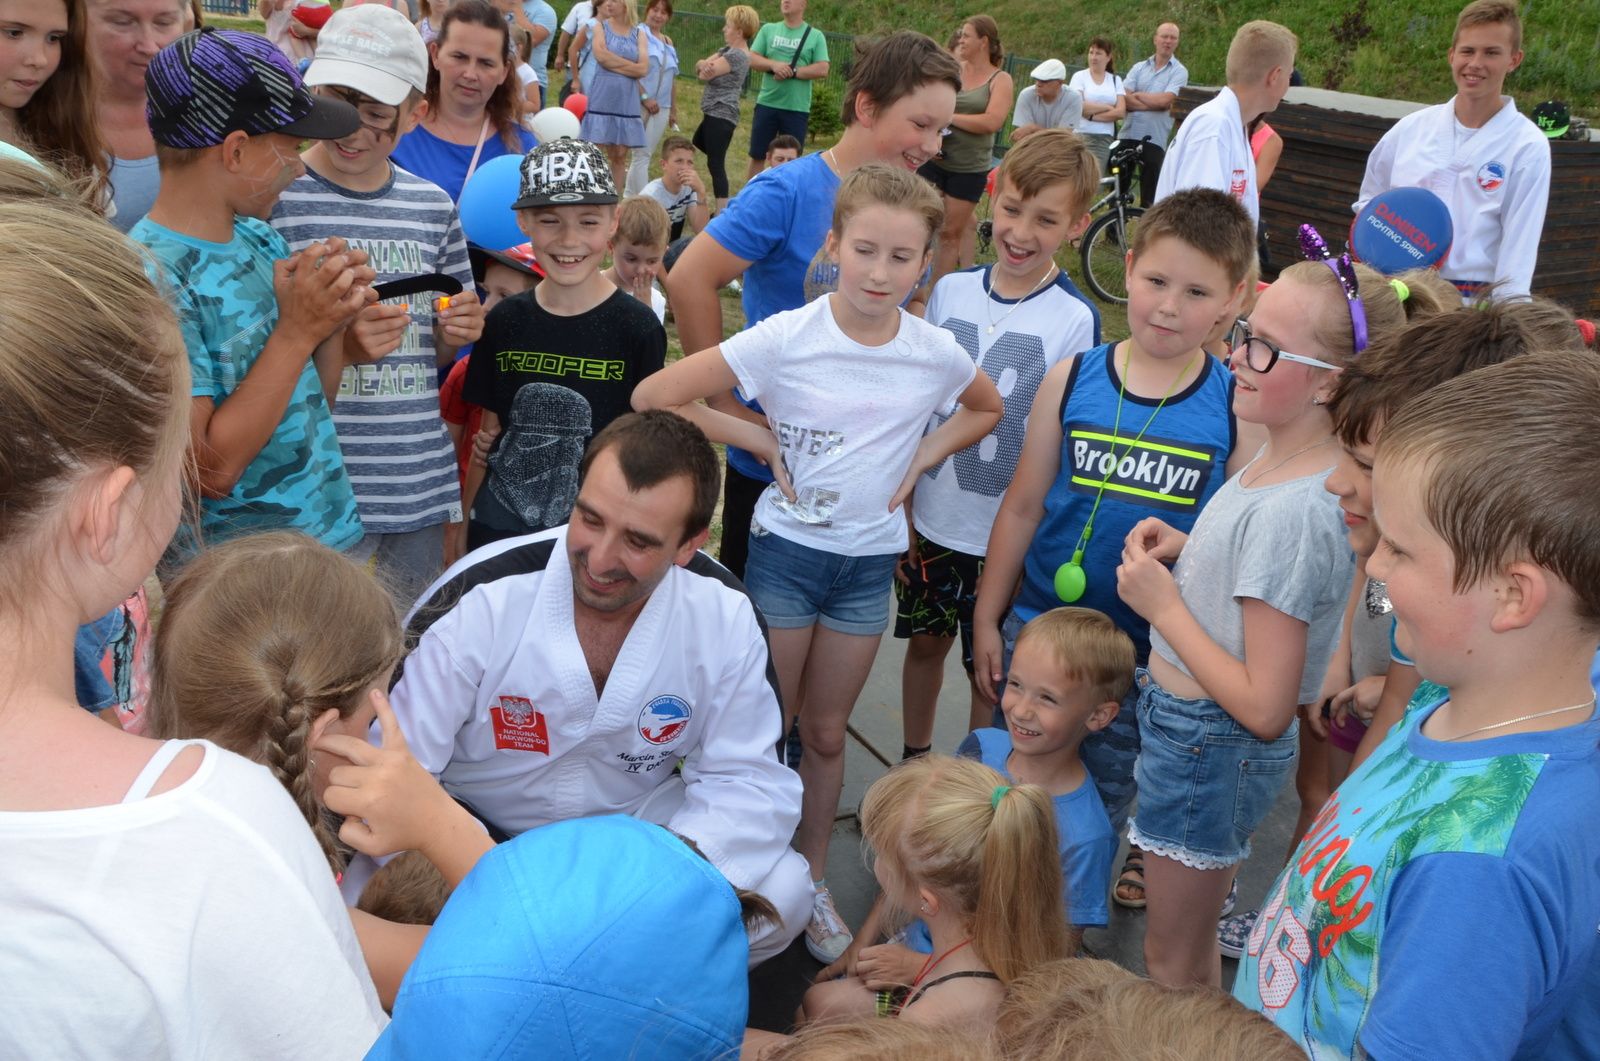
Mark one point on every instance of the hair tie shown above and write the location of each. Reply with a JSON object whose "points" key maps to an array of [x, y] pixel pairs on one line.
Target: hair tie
{"points": [[1586, 330], [1401, 291], [999, 791]]}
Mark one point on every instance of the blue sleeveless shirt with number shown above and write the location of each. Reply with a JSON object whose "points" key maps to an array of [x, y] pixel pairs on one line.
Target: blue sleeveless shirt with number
{"points": [[1170, 473]]}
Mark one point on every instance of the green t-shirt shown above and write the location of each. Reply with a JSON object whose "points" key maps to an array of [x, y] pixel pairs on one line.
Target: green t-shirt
{"points": [[778, 42]]}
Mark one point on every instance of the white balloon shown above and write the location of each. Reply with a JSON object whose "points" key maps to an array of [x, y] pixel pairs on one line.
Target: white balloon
{"points": [[553, 123]]}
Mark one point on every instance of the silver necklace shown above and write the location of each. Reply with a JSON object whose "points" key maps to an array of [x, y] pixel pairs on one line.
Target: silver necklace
{"points": [[1286, 460], [1587, 705], [988, 310]]}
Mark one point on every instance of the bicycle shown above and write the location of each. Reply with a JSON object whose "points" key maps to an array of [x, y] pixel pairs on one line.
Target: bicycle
{"points": [[1104, 245]]}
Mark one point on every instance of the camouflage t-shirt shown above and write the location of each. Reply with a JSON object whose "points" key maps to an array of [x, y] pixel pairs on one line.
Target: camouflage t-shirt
{"points": [[226, 308]]}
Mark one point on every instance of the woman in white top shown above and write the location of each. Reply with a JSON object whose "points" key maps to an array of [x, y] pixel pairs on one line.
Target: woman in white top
{"points": [[164, 899], [1104, 104]]}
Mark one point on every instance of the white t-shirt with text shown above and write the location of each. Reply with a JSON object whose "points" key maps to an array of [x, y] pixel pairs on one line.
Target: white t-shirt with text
{"points": [[848, 419]]}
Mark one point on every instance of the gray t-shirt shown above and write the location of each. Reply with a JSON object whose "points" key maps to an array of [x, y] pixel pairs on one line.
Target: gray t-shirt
{"points": [[721, 97], [1144, 77], [1283, 545], [1062, 113]]}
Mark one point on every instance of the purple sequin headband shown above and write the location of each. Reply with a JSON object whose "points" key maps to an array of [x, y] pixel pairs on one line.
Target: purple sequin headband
{"points": [[1313, 247]]}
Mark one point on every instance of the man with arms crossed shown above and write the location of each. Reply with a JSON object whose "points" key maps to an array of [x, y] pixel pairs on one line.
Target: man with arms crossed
{"points": [[1151, 88], [610, 667]]}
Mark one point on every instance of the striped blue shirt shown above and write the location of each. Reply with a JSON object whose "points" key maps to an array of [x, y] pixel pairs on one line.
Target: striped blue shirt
{"points": [[401, 462]]}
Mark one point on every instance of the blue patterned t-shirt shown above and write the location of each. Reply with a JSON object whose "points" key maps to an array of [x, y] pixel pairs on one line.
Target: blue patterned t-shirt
{"points": [[1443, 904], [226, 309]]}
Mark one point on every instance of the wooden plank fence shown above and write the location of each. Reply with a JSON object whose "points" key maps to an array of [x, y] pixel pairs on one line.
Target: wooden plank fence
{"points": [[1325, 152]]}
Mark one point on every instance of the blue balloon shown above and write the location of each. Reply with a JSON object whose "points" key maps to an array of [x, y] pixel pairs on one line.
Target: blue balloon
{"points": [[1400, 229], [486, 214]]}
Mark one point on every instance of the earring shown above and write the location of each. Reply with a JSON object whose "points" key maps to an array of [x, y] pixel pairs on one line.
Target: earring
{"points": [[1316, 401]]}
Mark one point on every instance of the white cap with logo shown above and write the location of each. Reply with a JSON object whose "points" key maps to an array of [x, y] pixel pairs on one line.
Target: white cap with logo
{"points": [[372, 49], [1049, 70]]}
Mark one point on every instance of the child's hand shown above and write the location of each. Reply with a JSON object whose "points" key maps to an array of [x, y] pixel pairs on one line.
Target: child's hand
{"points": [[1360, 700], [1315, 722], [699, 186], [651, 106], [910, 560], [987, 655], [772, 456], [482, 443], [390, 802], [888, 965], [318, 291], [1155, 537], [461, 322], [1144, 583], [455, 542], [376, 332], [639, 287], [844, 966]]}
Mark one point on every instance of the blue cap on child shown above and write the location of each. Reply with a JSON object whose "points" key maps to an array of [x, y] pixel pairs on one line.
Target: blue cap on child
{"points": [[594, 938]]}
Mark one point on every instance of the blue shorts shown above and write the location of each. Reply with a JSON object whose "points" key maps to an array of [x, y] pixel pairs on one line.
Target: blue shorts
{"points": [[795, 585], [1204, 781], [767, 123]]}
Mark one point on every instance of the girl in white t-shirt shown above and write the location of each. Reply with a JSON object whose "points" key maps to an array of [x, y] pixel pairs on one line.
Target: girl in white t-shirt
{"points": [[848, 383], [175, 903], [1104, 103]]}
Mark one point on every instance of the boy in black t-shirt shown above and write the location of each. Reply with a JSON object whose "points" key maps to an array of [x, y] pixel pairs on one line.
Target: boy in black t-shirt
{"points": [[558, 363]]}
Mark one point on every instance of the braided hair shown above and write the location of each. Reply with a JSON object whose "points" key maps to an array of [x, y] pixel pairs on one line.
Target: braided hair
{"points": [[262, 636]]}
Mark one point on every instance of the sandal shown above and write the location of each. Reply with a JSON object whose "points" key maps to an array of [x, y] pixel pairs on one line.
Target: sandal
{"points": [[1129, 891]]}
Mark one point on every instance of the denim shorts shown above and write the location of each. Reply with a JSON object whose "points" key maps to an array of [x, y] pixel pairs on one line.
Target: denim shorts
{"points": [[795, 585], [1204, 781]]}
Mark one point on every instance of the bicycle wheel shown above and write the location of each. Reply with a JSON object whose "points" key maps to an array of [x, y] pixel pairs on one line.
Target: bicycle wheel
{"points": [[1105, 252]]}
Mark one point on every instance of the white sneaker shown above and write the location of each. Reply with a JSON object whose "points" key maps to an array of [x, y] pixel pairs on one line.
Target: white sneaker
{"points": [[827, 938], [734, 285]]}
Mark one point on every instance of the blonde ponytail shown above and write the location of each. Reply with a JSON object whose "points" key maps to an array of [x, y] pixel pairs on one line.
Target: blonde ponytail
{"points": [[945, 824]]}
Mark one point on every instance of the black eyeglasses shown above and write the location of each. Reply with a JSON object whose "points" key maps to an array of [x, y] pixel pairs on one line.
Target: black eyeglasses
{"points": [[380, 118], [1260, 354]]}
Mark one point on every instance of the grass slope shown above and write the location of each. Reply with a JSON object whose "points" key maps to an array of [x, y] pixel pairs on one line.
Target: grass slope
{"points": [[1393, 48]]}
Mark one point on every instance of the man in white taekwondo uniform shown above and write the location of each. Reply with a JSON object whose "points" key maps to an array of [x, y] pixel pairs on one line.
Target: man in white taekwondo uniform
{"points": [[1489, 164], [609, 666]]}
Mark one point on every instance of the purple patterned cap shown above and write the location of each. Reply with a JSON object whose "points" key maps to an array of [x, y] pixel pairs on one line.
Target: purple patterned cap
{"points": [[210, 82]]}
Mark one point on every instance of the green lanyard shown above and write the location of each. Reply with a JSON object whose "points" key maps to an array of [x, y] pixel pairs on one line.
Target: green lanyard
{"points": [[1071, 580]]}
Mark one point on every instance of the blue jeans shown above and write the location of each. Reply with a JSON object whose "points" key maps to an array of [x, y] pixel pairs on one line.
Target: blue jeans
{"points": [[795, 585], [1205, 782]]}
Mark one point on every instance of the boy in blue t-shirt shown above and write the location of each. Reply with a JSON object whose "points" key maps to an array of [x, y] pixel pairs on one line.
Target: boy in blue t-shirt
{"points": [[396, 447], [1071, 669], [1444, 902], [264, 327]]}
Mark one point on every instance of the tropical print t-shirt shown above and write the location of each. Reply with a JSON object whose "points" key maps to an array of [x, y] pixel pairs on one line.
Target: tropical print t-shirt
{"points": [[227, 309], [1443, 904]]}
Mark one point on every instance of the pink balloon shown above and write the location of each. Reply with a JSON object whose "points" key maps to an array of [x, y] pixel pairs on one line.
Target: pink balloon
{"points": [[577, 103]]}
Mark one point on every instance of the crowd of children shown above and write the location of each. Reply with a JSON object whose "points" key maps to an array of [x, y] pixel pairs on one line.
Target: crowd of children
{"points": [[1340, 520]]}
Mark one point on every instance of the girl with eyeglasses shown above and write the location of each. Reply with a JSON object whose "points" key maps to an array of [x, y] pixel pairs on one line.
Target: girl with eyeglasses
{"points": [[1244, 623]]}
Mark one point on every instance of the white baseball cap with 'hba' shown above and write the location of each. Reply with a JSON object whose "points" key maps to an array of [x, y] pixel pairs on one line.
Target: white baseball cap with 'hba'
{"points": [[372, 49]]}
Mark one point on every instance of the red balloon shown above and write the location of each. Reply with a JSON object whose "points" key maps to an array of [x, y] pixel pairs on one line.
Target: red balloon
{"points": [[577, 103]]}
